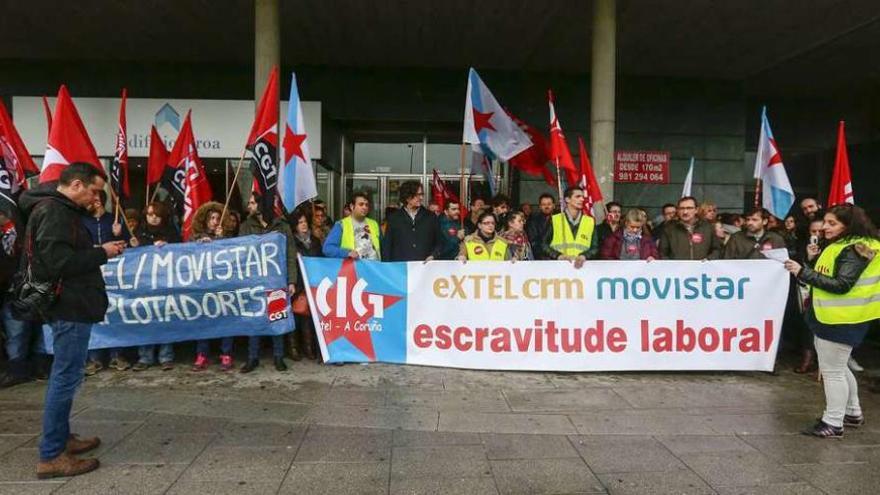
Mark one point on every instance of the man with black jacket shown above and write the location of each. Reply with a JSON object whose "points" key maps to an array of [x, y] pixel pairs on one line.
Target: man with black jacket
{"points": [[59, 249], [413, 232]]}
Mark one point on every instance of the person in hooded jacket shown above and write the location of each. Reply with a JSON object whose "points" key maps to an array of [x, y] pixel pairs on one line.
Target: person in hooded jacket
{"points": [[259, 223], [306, 245]]}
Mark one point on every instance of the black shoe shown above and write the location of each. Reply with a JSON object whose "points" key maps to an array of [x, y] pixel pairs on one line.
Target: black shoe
{"points": [[279, 364], [854, 421], [8, 380], [823, 430], [249, 366]]}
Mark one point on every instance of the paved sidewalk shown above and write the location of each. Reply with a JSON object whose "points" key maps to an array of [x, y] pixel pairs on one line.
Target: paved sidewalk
{"points": [[403, 429]]}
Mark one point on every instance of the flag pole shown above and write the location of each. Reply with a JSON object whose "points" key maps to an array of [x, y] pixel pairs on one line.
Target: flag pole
{"points": [[234, 180], [559, 184], [146, 192], [118, 210], [757, 192], [461, 188]]}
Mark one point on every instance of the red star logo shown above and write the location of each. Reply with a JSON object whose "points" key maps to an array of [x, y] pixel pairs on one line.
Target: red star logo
{"points": [[292, 144], [352, 326], [483, 121]]}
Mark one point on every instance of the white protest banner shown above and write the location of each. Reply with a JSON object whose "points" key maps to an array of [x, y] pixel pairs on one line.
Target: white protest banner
{"points": [[547, 315]]}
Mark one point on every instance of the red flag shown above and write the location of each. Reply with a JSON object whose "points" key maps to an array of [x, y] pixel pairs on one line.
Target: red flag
{"points": [[442, 194], [48, 115], [533, 160], [158, 157], [196, 188], [68, 141], [841, 180], [588, 180], [15, 144], [262, 143], [13, 157], [559, 152], [119, 165]]}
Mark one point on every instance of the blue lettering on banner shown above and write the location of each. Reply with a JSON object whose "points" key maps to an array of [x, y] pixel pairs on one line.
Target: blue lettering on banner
{"points": [[180, 292], [675, 288]]}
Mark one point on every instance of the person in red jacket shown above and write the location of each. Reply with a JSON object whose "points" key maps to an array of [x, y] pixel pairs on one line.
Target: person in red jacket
{"points": [[632, 242]]}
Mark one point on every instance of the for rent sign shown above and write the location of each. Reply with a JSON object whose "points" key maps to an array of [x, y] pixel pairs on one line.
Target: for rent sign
{"points": [[546, 315], [642, 166]]}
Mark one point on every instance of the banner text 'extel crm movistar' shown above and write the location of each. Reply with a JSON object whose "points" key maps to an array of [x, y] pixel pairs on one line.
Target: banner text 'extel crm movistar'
{"points": [[663, 315]]}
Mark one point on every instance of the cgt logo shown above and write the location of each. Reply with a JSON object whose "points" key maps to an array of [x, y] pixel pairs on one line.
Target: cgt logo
{"points": [[345, 299], [276, 304]]}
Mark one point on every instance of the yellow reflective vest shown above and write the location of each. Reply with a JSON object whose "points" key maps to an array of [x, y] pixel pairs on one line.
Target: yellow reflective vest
{"points": [[565, 241], [862, 302], [347, 240], [477, 250]]}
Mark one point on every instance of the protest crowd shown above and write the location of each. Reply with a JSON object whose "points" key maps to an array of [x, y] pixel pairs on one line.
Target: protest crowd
{"points": [[56, 237]]}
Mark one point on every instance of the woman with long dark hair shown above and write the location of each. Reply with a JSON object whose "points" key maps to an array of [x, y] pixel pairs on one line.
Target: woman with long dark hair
{"points": [[307, 244], [845, 290]]}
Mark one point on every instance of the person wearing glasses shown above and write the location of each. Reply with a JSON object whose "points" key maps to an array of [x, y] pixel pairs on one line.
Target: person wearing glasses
{"points": [[689, 237], [484, 244]]}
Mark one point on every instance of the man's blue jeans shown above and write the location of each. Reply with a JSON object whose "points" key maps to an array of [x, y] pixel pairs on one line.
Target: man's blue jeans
{"points": [[71, 346], [254, 347], [147, 353], [204, 346]]}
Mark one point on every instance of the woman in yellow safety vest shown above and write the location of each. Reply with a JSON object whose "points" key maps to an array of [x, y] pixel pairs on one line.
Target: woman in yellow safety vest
{"points": [[484, 244], [845, 294]]}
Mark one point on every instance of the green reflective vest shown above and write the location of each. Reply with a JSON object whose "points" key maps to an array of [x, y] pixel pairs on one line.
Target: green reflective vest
{"points": [[477, 251], [347, 241], [565, 241], [862, 302]]}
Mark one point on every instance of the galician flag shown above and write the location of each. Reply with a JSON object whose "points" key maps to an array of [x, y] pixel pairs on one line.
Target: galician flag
{"points": [[487, 127], [778, 195], [296, 179], [688, 181]]}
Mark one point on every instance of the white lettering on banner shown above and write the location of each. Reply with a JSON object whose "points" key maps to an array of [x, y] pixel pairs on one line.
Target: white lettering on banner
{"points": [[547, 315], [248, 301]]}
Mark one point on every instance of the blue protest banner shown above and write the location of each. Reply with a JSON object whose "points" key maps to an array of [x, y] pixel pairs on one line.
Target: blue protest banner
{"points": [[180, 292]]}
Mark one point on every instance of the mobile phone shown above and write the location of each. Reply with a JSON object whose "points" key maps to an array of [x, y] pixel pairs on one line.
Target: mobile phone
{"points": [[814, 240]]}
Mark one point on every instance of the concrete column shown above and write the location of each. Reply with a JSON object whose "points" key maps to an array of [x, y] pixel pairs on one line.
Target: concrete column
{"points": [[603, 76], [267, 42]]}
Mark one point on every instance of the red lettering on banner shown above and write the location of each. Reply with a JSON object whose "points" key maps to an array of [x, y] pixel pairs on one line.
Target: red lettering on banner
{"points": [[500, 340], [444, 337], [422, 336], [616, 340]]}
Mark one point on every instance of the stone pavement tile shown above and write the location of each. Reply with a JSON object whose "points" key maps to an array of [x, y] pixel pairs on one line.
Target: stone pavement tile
{"points": [[7, 406], [30, 487], [841, 478], [20, 422], [485, 401], [95, 414], [156, 447], [760, 424], [565, 400], [776, 489], [355, 396], [625, 454], [337, 478], [553, 424], [125, 478], [506, 446], [537, 476], [862, 438], [8, 443], [657, 422], [470, 380], [243, 410], [374, 417], [738, 469], [175, 423], [801, 449], [466, 461], [236, 464], [247, 434], [345, 445], [222, 488], [681, 482], [444, 486], [405, 438], [697, 444]]}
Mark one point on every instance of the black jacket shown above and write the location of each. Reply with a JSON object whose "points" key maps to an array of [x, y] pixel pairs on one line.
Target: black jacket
{"points": [[848, 267], [147, 235], [536, 228], [62, 249], [408, 239]]}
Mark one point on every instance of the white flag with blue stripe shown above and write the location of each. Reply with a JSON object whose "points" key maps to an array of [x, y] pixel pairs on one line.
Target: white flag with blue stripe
{"points": [[777, 193], [296, 179]]}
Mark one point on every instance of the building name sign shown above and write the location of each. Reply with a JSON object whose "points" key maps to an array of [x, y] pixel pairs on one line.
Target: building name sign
{"points": [[221, 127]]}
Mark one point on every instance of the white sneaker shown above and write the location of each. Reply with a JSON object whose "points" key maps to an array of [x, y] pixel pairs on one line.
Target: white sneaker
{"points": [[854, 366]]}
